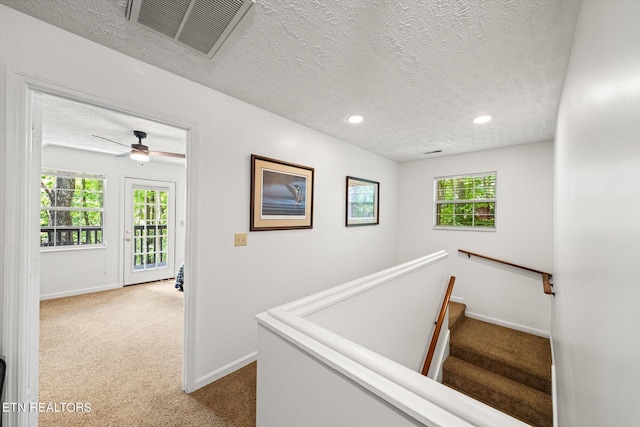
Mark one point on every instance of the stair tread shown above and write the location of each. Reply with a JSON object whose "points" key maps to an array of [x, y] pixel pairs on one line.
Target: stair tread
{"points": [[516, 399], [520, 356]]}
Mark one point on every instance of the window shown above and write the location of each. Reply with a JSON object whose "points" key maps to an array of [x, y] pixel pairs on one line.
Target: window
{"points": [[467, 201], [71, 208]]}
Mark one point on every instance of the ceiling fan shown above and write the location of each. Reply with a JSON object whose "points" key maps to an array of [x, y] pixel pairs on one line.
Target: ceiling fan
{"points": [[139, 151]]}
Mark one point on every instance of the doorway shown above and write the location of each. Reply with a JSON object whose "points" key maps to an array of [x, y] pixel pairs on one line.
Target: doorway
{"points": [[22, 272], [149, 230], [135, 199]]}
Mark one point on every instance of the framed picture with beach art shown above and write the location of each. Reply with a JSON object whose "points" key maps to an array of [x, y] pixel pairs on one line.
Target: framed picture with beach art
{"points": [[281, 195]]}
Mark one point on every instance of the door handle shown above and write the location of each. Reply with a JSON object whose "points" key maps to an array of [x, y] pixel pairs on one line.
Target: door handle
{"points": [[128, 239]]}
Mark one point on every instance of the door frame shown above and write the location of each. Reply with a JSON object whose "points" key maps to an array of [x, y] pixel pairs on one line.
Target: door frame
{"points": [[21, 258], [123, 222]]}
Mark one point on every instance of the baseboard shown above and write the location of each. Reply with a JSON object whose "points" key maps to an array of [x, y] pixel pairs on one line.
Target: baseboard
{"points": [[554, 396], [79, 291], [457, 299], [509, 325], [554, 384], [226, 370]]}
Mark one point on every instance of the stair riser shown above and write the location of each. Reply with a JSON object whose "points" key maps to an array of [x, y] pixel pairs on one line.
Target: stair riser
{"points": [[456, 315], [455, 325], [536, 414], [526, 378]]}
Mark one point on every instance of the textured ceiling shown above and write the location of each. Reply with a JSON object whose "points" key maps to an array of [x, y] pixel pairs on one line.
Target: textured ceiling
{"points": [[417, 70], [76, 125]]}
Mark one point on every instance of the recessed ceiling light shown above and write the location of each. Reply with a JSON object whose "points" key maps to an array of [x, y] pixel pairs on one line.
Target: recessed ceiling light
{"points": [[481, 119], [355, 118]]}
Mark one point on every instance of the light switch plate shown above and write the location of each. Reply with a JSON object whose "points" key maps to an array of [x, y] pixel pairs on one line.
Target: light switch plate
{"points": [[240, 239]]}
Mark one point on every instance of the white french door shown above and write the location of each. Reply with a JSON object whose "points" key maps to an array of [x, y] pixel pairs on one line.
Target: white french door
{"points": [[149, 231]]}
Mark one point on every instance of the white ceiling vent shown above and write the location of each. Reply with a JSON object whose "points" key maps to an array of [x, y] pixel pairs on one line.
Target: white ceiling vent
{"points": [[202, 25]]}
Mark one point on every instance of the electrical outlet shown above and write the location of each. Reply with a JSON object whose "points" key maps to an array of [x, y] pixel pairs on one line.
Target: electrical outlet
{"points": [[240, 239]]}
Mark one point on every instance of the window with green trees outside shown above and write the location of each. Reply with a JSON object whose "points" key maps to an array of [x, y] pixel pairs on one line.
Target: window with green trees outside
{"points": [[71, 208], [466, 201]]}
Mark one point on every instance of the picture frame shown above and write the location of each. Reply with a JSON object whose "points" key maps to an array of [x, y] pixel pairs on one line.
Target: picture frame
{"points": [[362, 202], [281, 195]]}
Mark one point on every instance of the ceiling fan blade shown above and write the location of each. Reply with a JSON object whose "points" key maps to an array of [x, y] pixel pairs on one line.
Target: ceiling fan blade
{"points": [[127, 154], [165, 154], [111, 140]]}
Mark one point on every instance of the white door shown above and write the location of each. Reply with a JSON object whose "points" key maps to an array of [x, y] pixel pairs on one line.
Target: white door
{"points": [[149, 232]]}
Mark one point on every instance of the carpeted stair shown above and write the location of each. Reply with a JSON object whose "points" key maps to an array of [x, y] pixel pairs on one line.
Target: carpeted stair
{"points": [[506, 369]]}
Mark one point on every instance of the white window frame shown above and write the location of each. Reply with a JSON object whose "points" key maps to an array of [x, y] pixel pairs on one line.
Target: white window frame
{"points": [[74, 174], [437, 202]]}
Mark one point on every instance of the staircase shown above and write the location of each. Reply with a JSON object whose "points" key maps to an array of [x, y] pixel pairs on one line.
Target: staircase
{"points": [[506, 369]]}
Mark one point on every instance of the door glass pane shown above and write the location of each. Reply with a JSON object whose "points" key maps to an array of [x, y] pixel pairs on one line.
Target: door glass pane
{"points": [[162, 218], [150, 216]]}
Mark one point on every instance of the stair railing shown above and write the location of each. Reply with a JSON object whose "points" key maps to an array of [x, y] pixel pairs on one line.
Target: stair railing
{"points": [[546, 277], [439, 323]]}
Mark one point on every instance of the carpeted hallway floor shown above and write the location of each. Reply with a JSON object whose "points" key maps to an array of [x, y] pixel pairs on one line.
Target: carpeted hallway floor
{"points": [[120, 351]]}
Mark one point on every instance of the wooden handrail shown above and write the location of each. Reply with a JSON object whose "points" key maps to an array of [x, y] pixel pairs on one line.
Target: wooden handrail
{"points": [[439, 323], [546, 284], [546, 277]]}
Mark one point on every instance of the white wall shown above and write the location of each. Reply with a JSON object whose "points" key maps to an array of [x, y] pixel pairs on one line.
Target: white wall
{"points": [[230, 285], [296, 389], [523, 235], [395, 319], [70, 271], [597, 227]]}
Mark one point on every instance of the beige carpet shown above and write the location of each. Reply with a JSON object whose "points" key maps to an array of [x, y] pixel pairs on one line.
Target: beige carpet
{"points": [[120, 351]]}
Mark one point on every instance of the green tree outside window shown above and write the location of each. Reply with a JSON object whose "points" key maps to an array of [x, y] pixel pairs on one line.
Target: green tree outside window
{"points": [[71, 208], [466, 201]]}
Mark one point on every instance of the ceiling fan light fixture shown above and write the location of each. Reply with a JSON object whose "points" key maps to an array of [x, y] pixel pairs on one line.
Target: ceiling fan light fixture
{"points": [[140, 152], [139, 156]]}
